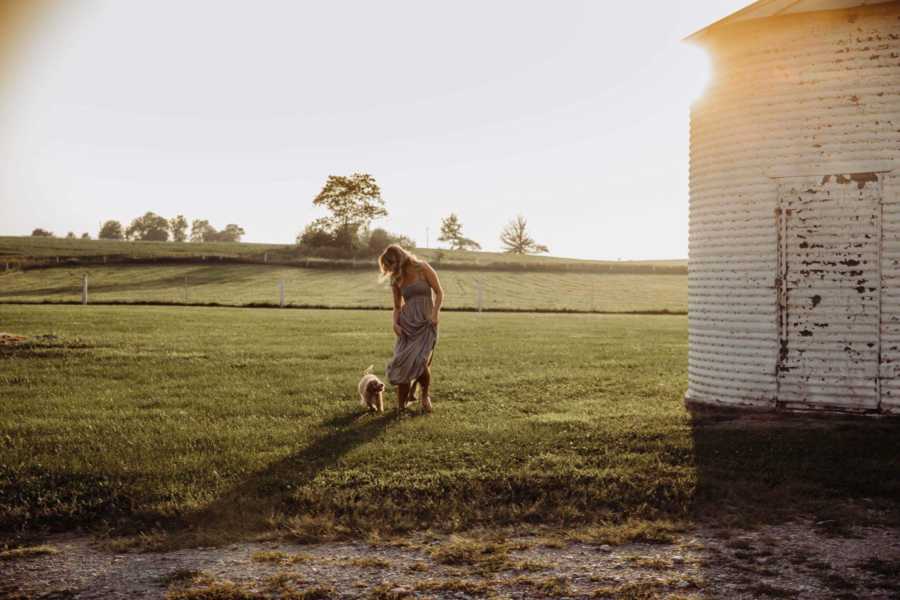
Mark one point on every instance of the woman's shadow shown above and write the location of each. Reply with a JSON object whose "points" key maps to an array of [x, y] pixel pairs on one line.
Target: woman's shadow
{"points": [[251, 505]]}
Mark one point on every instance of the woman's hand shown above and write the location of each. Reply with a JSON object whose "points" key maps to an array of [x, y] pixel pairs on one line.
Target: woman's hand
{"points": [[435, 318], [397, 330]]}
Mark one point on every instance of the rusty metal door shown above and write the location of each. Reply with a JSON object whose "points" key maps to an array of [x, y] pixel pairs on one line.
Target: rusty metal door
{"points": [[829, 292]]}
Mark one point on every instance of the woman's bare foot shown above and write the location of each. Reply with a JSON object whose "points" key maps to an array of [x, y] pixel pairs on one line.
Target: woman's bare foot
{"points": [[426, 404]]}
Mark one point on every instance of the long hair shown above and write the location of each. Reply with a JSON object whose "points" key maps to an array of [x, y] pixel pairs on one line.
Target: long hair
{"points": [[394, 261]]}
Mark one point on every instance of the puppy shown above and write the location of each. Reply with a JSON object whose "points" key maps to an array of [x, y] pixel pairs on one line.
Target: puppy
{"points": [[371, 391]]}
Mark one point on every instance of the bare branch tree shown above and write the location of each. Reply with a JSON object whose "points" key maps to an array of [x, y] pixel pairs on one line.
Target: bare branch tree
{"points": [[515, 238]]}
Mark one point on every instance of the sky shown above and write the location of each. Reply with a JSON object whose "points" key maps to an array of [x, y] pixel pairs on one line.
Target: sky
{"points": [[573, 114]]}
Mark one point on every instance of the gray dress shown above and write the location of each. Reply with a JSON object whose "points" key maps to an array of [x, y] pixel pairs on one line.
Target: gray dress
{"points": [[412, 351]]}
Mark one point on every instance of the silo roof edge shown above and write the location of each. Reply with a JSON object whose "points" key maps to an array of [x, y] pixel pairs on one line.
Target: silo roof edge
{"points": [[772, 8]]}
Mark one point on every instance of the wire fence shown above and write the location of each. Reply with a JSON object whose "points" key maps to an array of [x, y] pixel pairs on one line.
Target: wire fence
{"points": [[253, 285]]}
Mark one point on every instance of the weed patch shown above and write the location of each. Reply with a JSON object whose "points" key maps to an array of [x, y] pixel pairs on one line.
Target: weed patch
{"points": [[27, 552]]}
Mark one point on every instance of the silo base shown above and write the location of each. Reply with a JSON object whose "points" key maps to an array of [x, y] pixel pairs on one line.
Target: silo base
{"points": [[695, 406]]}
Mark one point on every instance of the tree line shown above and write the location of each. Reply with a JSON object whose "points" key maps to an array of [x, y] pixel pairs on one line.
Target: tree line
{"points": [[152, 227], [354, 202]]}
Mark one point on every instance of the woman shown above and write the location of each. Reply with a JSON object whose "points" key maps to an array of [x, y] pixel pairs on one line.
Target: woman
{"points": [[415, 322]]}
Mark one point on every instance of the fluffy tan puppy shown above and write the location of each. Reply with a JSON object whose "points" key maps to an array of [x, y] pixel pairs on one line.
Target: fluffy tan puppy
{"points": [[371, 391]]}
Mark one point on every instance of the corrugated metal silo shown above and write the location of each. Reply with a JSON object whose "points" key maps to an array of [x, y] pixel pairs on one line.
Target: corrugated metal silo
{"points": [[794, 286]]}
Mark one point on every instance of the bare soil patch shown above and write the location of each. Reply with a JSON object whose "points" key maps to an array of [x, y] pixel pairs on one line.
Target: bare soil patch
{"points": [[796, 560]]}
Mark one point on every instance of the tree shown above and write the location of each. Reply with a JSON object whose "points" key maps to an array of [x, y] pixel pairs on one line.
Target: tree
{"points": [[111, 230], [149, 228], [316, 235], [353, 202], [41, 233], [379, 239], [231, 233], [516, 240], [85, 236], [70, 235], [178, 226], [202, 231], [451, 232]]}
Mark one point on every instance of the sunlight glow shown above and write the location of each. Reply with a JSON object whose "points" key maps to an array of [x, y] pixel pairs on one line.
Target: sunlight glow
{"points": [[698, 72]]}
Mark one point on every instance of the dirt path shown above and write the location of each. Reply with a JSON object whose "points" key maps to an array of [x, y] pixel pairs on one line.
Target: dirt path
{"points": [[793, 561]]}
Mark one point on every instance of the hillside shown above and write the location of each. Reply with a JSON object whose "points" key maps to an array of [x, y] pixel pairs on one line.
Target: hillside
{"points": [[238, 274], [30, 250], [242, 285]]}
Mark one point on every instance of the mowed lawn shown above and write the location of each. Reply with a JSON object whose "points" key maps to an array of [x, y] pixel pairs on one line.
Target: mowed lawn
{"points": [[144, 418], [259, 284]]}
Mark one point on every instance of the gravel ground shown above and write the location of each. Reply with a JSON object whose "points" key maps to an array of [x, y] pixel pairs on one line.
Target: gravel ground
{"points": [[800, 560]]}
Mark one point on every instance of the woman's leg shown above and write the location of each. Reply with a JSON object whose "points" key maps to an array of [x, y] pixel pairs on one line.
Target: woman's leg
{"points": [[425, 382], [402, 396]]}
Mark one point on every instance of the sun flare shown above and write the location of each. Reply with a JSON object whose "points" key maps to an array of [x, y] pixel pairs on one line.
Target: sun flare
{"points": [[698, 71]]}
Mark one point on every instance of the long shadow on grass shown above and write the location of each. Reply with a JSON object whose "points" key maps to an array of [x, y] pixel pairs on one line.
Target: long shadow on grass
{"points": [[755, 469], [266, 495]]}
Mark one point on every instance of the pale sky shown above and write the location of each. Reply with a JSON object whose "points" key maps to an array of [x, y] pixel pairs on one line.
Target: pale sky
{"points": [[574, 114]]}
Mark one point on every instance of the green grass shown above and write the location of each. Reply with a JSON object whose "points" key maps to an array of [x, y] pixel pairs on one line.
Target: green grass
{"points": [[40, 247], [241, 420], [37, 247], [257, 284]]}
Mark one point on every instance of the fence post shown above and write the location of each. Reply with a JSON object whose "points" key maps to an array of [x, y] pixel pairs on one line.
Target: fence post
{"points": [[185, 290], [281, 293], [266, 257], [84, 289], [480, 295]]}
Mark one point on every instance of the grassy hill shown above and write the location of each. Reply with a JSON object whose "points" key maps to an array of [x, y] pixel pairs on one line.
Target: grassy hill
{"points": [[238, 285], [238, 274], [47, 250]]}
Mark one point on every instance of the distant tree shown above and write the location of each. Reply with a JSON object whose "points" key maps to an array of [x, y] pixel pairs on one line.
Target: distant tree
{"points": [[353, 202], [202, 231], [111, 230], [71, 235], [379, 239], [231, 233], [515, 238], [178, 226], [451, 232], [319, 239], [149, 228], [41, 233], [85, 236], [316, 235]]}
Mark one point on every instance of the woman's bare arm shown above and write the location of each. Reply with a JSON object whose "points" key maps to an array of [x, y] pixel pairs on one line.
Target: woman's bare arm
{"points": [[431, 277], [398, 303]]}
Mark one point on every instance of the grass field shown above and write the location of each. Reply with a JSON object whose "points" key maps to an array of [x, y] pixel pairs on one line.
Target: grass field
{"points": [[216, 419], [38, 247], [258, 284]]}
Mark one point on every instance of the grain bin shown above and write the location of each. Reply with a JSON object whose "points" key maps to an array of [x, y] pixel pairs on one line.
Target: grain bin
{"points": [[794, 284]]}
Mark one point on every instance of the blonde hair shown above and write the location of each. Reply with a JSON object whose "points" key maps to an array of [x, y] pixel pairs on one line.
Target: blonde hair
{"points": [[393, 262]]}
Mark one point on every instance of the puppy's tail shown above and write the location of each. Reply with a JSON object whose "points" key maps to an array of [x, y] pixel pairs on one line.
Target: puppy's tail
{"points": [[369, 370]]}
